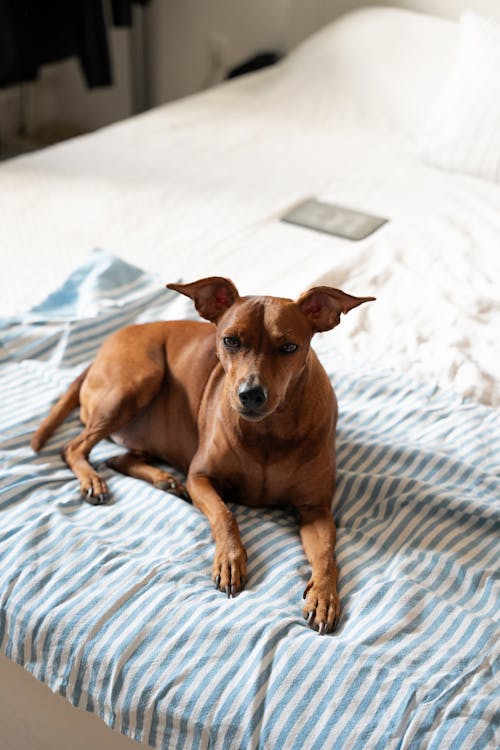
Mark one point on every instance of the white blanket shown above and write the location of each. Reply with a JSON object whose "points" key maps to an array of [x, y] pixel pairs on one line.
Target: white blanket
{"points": [[197, 187]]}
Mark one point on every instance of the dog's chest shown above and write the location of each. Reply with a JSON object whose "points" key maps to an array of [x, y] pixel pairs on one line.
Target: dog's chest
{"points": [[262, 483]]}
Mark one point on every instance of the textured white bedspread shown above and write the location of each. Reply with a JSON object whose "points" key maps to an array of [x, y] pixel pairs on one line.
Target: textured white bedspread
{"points": [[197, 187]]}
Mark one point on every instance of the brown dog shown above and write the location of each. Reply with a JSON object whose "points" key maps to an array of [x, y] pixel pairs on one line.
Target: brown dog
{"points": [[244, 408]]}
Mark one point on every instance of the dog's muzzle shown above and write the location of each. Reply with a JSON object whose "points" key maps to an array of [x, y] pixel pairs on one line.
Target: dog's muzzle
{"points": [[253, 400]]}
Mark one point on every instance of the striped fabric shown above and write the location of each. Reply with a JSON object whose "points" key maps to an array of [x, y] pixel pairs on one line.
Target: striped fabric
{"points": [[113, 606]]}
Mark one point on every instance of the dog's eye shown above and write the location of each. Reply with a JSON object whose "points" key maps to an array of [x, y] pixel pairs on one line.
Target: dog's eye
{"points": [[231, 342], [288, 348]]}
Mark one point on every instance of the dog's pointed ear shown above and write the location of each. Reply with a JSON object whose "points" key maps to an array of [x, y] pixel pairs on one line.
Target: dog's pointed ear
{"points": [[323, 306], [211, 296]]}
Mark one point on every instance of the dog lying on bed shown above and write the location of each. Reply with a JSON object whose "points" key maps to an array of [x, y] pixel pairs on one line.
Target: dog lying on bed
{"points": [[242, 406]]}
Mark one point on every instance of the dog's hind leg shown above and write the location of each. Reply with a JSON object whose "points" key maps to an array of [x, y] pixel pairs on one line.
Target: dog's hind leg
{"points": [[137, 465], [107, 406]]}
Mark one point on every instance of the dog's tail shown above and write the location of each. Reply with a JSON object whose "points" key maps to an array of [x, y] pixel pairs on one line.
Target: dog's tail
{"points": [[66, 403]]}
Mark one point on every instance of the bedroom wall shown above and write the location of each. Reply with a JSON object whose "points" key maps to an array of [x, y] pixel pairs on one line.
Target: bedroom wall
{"points": [[192, 43]]}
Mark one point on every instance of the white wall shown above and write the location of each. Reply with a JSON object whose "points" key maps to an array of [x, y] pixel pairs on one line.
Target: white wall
{"points": [[191, 43]]}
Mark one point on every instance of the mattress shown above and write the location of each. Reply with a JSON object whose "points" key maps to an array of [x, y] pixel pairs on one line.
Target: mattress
{"points": [[112, 607]]}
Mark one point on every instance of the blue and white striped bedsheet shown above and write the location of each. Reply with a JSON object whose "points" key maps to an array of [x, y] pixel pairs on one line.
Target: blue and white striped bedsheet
{"points": [[113, 606]]}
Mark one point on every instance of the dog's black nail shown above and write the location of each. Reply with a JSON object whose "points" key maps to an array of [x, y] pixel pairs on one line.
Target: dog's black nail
{"points": [[90, 492], [310, 618], [102, 498], [217, 582], [228, 591], [233, 590], [323, 628]]}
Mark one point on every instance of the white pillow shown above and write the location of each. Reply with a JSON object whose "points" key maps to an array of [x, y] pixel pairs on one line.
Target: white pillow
{"points": [[463, 128]]}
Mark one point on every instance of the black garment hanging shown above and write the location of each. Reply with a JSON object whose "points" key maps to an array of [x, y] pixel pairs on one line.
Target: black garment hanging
{"points": [[34, 32]]}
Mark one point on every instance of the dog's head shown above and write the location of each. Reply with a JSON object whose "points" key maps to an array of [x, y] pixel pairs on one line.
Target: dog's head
{"points": [[263, 342]]}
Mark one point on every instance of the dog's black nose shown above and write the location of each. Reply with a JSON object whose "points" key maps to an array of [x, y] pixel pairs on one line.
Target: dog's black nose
{"points": [[252, 397]]}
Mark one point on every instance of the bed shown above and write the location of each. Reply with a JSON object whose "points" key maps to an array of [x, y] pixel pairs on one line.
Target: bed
{"points": [[110, 610]]}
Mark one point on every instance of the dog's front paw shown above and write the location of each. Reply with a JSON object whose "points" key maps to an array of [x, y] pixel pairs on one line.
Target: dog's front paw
{"points": [[230, 569], [94, 489], [322, 607]]}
